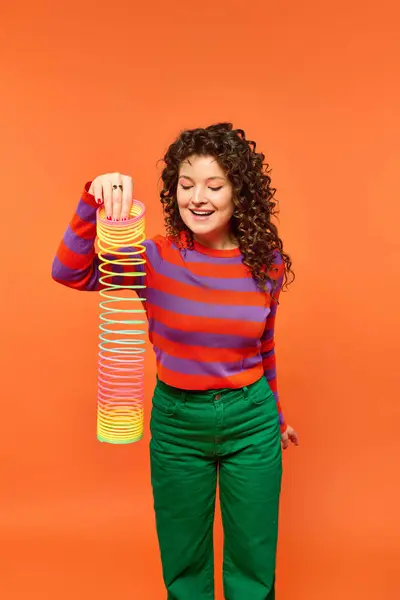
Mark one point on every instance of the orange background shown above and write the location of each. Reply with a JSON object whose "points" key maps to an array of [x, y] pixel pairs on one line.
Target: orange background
{"points": [[88, 89]]}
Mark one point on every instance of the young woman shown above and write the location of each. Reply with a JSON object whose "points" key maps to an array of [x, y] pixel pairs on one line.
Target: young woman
{"points": [[212, 289]]}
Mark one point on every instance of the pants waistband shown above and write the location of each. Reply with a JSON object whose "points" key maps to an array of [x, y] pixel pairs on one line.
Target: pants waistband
{"points": [[207, 395]]}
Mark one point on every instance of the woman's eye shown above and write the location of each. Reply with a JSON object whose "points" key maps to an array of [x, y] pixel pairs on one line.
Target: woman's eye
{"points": [[213, 189]]}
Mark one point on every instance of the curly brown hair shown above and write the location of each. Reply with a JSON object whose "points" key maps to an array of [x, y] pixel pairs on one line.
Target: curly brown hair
{"points": [[253, 196]]}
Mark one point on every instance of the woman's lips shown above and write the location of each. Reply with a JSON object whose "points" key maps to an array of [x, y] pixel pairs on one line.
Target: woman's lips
{"points": [[199, 215]]}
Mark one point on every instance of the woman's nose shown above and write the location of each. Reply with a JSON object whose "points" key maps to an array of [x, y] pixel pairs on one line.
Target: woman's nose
{"points": [[198, 195]]}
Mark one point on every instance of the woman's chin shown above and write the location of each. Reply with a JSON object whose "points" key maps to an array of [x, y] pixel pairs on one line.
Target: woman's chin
{"points": [[201, 227]]}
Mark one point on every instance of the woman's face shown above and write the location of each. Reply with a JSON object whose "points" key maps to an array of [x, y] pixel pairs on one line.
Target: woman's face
{"points": [[204, 197]]}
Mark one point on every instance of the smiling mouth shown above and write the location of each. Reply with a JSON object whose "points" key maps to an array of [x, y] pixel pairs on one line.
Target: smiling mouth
{"points": [[201, 213]]}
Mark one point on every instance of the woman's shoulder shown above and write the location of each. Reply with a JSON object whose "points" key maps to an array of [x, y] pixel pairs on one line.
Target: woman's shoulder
{"points": [[276, 264], [276, 255], [157, 248], [158, 241]]}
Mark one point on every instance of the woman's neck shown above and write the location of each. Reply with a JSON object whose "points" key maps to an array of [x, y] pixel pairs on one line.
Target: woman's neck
{"points": [[217, 242]]}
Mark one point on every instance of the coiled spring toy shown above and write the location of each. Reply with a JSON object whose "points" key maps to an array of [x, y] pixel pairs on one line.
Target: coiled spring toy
{"points": [[120, 402]]}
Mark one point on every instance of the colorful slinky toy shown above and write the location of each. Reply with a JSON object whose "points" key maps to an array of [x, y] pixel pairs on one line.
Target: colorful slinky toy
{"points": [[122, 336]]}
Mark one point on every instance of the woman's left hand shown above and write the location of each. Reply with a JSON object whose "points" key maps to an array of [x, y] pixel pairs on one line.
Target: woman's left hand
{"points": [[289, 436]]}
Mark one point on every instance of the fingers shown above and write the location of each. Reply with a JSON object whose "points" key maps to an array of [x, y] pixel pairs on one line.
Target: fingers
{"points": [[116, 196], [289, 436], [294, 438], [127, 196], [107, 195], [116, 191]]}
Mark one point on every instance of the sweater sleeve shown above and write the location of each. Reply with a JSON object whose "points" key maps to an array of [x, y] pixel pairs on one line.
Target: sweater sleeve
{"points": [[268, 339], [76, 264]]}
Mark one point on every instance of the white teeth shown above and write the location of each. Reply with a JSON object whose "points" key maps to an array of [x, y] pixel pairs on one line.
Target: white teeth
{"points": [[202, 213]]}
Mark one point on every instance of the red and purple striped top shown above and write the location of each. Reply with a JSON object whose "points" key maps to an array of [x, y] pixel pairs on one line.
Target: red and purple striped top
{"points": [[209, 324]]}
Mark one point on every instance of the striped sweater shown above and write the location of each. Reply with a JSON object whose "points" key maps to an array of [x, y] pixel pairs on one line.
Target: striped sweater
{"points": [[209, 324]]}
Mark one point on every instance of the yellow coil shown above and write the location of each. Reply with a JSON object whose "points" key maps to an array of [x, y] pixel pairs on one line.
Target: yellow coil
{"points": [[122, 336]]}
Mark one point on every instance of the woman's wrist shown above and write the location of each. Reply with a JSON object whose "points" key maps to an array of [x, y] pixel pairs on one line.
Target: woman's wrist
{"points": [[88, 197]]}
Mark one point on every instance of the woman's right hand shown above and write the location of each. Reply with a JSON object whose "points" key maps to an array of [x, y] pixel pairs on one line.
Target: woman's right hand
{"points": [[116, 191]]}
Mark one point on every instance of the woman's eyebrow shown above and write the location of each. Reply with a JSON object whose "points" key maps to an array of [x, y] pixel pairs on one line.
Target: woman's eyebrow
{"points": [[209, 178]]}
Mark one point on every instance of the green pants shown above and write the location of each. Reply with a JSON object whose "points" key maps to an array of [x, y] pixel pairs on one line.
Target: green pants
{"points": [[197, 436]]}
